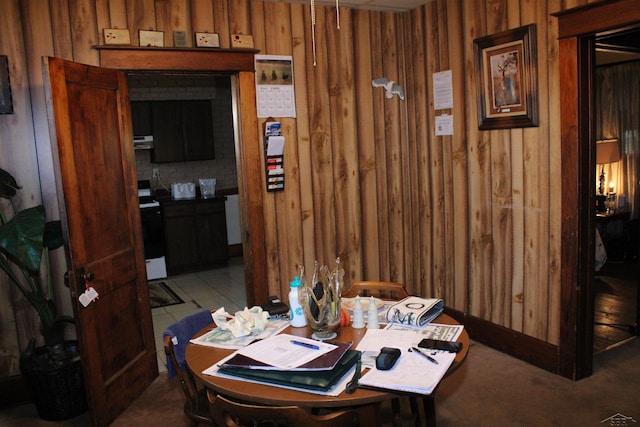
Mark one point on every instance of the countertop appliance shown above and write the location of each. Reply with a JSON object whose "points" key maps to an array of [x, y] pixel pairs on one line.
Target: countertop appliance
{"points": [[143, 142], [152, 232], [183, 191]]}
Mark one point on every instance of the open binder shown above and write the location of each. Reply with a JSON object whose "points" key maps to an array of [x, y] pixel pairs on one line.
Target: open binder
{"points": [[321, 380]]}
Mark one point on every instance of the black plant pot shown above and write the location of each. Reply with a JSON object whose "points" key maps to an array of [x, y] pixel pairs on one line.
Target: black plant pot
{"points": [[54, 380]]}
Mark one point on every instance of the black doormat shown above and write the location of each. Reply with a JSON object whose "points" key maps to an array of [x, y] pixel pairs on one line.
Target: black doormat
{"points": [[161, 295]]}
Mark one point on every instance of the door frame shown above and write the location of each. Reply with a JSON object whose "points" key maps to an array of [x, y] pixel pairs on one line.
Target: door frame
{"points": [[577, 30], [241, 63]]}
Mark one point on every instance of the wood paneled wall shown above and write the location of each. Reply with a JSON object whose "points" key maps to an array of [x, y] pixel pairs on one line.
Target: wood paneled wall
{"points": [[472, 218]]}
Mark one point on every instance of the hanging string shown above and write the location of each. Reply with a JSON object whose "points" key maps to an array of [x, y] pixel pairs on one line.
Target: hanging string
{"points": [[313, 30], [338, 14]]}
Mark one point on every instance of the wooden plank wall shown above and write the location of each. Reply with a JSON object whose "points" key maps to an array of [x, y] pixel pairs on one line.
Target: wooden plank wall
{"points": [[472, 218]]}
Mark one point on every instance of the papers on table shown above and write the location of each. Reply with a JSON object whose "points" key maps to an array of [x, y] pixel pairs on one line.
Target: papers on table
{"points": [[286, 351], [224, 339], [413, 372], [290, 361], [432, 330]]}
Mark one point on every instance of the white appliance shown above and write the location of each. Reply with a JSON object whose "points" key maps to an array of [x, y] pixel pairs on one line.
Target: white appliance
{"points": [[183, 190]]}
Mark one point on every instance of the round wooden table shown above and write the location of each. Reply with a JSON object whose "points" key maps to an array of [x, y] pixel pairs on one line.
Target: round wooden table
{"points": [[201, 357]]}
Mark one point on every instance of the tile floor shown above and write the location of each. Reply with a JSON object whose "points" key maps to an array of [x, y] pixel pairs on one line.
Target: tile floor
{"points": [[220, 287]]}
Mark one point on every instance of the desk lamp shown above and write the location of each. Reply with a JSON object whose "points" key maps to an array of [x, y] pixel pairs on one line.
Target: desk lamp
{"points": [[607, 151]]}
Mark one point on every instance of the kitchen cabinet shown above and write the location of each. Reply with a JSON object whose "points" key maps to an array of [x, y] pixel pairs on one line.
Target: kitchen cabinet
{"points": [[182, 131], [195, 234], [141, 118]]}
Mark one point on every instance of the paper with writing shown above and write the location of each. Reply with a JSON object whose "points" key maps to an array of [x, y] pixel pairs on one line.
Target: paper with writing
{"points": [[281, 352]]}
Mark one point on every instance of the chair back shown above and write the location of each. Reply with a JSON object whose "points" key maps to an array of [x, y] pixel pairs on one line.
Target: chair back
{"points": [[175, 339], [229, 413], [382, 290]]}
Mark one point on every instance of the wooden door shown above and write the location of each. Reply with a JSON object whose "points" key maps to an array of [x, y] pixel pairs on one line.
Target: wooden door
{"points": [[95, 173]]}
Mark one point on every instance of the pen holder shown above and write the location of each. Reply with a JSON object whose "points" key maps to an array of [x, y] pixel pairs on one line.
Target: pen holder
{"points": [[320, 301]]}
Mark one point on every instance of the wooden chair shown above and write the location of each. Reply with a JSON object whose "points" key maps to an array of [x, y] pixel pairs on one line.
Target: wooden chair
{"points": [[176, 338], [228, 413], [382, 290]]}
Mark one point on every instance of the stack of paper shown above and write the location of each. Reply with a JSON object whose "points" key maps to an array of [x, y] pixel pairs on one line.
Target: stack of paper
{"points": [[413, 372]]}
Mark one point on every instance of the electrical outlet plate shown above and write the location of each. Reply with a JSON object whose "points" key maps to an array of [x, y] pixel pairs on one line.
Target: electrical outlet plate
{"points": [[156, 172]]}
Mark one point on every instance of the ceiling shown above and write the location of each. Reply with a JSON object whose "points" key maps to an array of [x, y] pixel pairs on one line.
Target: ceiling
{"points": [[610, 48], [390, 5], [617, 47]]}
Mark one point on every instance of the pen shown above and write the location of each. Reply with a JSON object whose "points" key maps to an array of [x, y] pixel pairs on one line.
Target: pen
{"points": [[431, 359], [304, 344]]}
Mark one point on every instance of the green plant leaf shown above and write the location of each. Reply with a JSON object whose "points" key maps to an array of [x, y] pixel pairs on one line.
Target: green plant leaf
{"points": [[22, 237], [8, 185]]}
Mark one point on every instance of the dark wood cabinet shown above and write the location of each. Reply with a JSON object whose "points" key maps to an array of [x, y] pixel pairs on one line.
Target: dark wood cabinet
{"points": [[195, 234], [182, 131], [141, 118]]}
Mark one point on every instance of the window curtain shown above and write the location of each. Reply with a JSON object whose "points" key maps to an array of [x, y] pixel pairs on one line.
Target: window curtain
{"points": [[618, 116]]}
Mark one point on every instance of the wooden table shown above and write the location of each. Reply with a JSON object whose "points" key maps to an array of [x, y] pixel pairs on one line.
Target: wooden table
{"points": [[367, 402]]}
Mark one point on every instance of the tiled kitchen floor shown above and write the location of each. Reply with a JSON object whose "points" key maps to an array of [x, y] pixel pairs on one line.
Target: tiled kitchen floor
{"points": [[220, 287]]}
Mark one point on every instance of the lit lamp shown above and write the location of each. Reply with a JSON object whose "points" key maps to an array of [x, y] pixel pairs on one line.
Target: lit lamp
{"points": [[607, 151]]}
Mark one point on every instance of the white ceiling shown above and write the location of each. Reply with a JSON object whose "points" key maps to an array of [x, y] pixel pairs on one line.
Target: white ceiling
{"points": [[391, 5]]}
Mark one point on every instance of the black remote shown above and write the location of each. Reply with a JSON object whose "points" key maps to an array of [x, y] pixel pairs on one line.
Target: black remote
{"points": [[450, 346]]}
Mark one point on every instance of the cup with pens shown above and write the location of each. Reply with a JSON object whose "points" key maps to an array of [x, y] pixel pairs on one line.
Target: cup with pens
{"points": [[320, 300]]}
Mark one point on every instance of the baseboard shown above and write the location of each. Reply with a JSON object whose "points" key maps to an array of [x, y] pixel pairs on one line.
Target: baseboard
{"points": [[524, 347], [13, 392]]}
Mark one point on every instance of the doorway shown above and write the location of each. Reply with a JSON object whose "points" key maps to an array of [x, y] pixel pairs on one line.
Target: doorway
{"points": [[577, 28], [615, 285], [240, 64], [197, 288]]}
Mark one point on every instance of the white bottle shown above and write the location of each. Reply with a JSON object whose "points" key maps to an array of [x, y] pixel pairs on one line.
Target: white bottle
{"points": [[296, 314], [372, 315], [358, 315]]}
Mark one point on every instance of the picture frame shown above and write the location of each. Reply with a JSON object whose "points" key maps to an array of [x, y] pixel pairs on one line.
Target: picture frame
{"points": [[150, 38], [179, 38], [507, 79], [6, 103], [116, 36], [207, 40]]}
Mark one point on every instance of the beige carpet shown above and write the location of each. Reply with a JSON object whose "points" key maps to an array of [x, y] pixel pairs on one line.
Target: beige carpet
{"points": [[490, 389]]}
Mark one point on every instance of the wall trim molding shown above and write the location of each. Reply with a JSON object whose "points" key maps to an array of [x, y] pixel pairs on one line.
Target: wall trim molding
{"points": [[524, 347]]}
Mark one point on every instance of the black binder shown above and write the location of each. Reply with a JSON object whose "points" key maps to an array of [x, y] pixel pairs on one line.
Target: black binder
{"points": [[312, 380]]}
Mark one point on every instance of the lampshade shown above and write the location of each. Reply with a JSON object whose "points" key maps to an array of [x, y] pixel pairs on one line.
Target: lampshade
{"points": [[607, 151]]}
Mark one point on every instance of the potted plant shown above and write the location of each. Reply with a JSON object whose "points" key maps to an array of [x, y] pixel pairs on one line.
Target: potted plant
{"points": [[52, 371]]}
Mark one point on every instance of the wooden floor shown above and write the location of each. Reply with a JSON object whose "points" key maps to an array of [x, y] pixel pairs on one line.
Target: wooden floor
{"points": [[615, 305]]}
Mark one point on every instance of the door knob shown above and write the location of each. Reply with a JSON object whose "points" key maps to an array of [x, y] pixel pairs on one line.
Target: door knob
{"points": [[88, 276]]}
